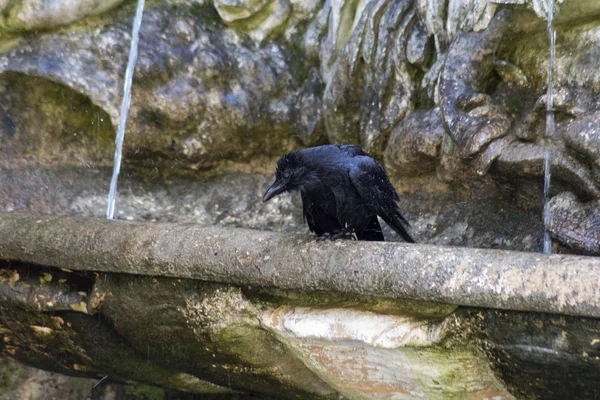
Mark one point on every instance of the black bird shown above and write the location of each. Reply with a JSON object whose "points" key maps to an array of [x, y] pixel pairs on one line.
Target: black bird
{"points": [[343, 191]]}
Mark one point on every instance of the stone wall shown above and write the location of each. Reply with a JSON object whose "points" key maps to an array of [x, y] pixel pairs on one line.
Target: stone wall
{"points": [[450, 95]]}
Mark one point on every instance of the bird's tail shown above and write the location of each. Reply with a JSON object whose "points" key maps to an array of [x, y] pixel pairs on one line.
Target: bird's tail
{"points": [[371, 232], [397, 221]]}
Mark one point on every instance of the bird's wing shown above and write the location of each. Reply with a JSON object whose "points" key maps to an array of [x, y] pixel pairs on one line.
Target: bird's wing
{"points": [[371, 182], [320, 220], [372, 231], [375, 189], [351, 150], [307, 213]]}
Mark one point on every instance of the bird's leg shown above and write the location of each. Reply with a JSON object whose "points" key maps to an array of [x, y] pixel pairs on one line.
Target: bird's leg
{"points": [[344, 233]]}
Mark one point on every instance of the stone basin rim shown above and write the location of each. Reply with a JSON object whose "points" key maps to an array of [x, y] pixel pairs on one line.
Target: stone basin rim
{"points": [[474, 277]]}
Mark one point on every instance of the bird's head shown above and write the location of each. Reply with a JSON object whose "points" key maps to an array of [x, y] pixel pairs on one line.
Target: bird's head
{"points": [[289, 175]]}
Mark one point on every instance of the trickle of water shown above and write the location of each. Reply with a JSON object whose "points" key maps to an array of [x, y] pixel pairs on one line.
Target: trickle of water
{"points": [[133, 52], [100, 381], [547, 239], [549, 121]]}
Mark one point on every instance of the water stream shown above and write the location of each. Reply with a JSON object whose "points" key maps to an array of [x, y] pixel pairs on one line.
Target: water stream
{"points": [[133, 52], [549, 121]]}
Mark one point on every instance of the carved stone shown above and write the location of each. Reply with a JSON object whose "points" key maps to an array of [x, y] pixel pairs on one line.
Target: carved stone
{"points": [[449, 95]]}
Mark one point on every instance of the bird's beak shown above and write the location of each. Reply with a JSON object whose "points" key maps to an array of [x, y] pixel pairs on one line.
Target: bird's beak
{"points": [[274, 190]]}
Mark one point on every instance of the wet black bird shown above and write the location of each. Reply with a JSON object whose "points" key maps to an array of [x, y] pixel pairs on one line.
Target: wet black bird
{"points": [[343, 191]]}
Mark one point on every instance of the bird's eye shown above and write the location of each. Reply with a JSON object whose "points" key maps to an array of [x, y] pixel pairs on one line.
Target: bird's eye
{"points": [[286, 175]]}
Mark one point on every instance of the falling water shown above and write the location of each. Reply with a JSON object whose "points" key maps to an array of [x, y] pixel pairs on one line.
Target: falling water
{"points": [[133, 52], [549, 122]]}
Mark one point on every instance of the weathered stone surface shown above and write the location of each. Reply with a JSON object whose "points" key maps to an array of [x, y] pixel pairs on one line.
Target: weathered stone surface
{"points": [[526, 159], [20, 382], [186, 334], [215, 333], [441, 90], [415, 144], [575, 224], [575, 102], [501, 124], [543, 356], [472, 277], [179, 333], [485, 217], [266, 19], [310, 127], [371, 85], [200, 94], [374, 356], [583, 136], [473, 117], [38, 14], [375, 67], [73, 131], [74, 343], [230, 11]]}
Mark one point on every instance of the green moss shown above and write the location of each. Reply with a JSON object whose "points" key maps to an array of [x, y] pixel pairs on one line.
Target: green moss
{"points": [[62, 124], [416, 309], [138, 391], [452, 374], [11, 375]]}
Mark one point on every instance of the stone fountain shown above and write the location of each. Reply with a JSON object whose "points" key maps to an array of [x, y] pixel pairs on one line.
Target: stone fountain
{"points": [[201, 288]]}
